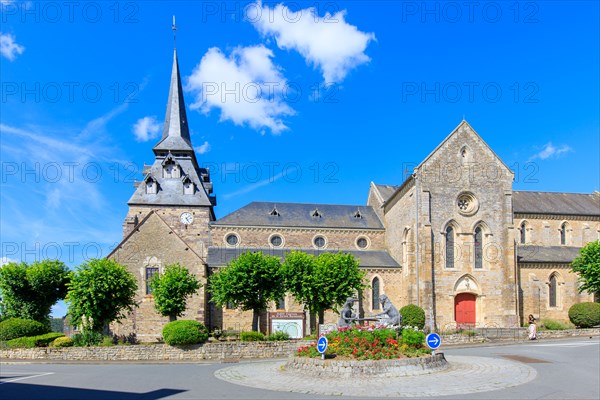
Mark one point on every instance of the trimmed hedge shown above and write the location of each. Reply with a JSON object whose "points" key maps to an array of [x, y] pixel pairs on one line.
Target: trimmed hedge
{"points": [[13, 328], [279, 335], [413, 315], [554, 325], [585, 315], [34, 341], [62, 341], [251, 336], [184, 332]]}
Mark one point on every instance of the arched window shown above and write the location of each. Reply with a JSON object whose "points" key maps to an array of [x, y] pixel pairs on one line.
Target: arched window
{"points": [[563, 233], [375, 294], [523, 232], [552, 292], [449, 247], [151, 272], [478, 248]]}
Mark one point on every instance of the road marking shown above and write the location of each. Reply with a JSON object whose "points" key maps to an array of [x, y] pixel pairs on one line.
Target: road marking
{"points": [[576, 344], [25, 377]]}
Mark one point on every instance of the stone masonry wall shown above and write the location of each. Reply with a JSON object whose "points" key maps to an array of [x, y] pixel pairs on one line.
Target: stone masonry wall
{"points": [[535, 285], [160, 352]]}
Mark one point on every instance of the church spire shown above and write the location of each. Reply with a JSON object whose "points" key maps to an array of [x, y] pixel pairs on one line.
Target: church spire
{"points": [[176, 134]]}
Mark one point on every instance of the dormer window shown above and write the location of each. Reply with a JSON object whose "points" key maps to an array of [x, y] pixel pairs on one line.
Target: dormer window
{"points": [[274, 212], [188, 186], [151, 185], [358, 214], [316, 213], [170, 169]]}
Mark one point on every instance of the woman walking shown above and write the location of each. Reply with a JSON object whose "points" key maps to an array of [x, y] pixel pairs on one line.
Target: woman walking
{"points": [[532, 330]]}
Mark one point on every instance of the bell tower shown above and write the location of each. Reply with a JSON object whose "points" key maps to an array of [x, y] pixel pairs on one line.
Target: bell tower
{"points": [[174, 186]]}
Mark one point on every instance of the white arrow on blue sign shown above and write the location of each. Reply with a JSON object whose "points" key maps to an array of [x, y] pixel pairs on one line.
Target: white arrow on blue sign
{"points": [[433, 340], [322, 344]]}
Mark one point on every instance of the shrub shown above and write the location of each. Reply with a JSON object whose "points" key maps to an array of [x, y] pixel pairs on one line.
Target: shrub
{"points": [[585, 315], [62, 341], [13, 328], [554, 325], [107, 341], [125, 339], [413, 315], [87, 338], [184, 332], [412, 337], [34, 341], [251, 336], [279, 335]]}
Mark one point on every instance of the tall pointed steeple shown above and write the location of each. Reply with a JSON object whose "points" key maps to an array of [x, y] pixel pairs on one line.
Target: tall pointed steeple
{"points": [[176, 134], [175, 178]]}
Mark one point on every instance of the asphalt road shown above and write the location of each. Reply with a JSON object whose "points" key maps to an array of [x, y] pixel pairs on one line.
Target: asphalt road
{"points": [[566, 369]]}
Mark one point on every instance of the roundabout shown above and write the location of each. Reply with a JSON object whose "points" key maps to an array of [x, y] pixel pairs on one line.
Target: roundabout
{"points": [[464, 375]]}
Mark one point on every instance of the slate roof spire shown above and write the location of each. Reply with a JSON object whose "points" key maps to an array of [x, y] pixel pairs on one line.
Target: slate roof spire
{"points": [[176, 134]]}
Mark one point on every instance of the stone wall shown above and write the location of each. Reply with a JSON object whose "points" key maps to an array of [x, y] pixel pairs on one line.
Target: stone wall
{"points": [[334, 368], [155, 244], [535, 286], [160, 352], [544, 230], [514, 334], [336, 239]]}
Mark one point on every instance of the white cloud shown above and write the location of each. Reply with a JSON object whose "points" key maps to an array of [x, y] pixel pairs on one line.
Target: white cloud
{"points": [[203, 148], [6, 2], [551, 151], [146, 128], [246, 86], [8, 47], [328, 43]]}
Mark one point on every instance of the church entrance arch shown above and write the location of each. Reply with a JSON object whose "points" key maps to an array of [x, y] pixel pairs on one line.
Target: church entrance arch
{"points": [[464, 308]]}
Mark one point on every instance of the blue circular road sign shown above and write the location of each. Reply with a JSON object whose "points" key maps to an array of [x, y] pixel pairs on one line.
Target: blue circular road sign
{"points": [[322, 344], [433, 340]]}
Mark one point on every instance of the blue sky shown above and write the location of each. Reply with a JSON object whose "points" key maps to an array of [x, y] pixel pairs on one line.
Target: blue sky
{"points": [[350, 92]]}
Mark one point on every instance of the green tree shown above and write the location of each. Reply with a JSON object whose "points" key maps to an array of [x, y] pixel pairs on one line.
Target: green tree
{"points": [[101, 291], [587, 265], [250, 282], [30, 290], [171, 290], [322, 282]]}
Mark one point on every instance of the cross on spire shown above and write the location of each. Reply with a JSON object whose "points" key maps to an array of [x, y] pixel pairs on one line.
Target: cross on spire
{"points": [[174, 28]]}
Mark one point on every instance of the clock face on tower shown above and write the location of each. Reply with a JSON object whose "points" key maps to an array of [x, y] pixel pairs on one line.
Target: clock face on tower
{"points": [[186, 218]]}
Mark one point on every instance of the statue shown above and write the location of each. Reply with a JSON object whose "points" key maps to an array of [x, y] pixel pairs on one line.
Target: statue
{"points": [[347, 317], [390, 314]]}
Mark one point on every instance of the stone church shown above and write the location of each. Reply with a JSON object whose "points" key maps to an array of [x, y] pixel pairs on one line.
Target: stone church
{"points": [[453, 238]]}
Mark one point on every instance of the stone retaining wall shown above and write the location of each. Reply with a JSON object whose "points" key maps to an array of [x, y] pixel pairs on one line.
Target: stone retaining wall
{"points": [[516, 334], [160, 352], [333, 368]]}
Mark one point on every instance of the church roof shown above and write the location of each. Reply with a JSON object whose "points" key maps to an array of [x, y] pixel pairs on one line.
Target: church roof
{"points": [[556, 203], [176, 134], [297, 215], [221, 256], [170, 191], [386, 191], [547, 254]]}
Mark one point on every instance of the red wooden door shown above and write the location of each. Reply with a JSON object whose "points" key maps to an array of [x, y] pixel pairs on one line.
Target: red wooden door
{"points": [[464, 308]]}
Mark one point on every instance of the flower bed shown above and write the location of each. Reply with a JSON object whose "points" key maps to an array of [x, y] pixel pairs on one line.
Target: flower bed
{"points": [[370, 343]]}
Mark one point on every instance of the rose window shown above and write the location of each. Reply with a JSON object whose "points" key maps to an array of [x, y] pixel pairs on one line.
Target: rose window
{"points": [[467, 204]]}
